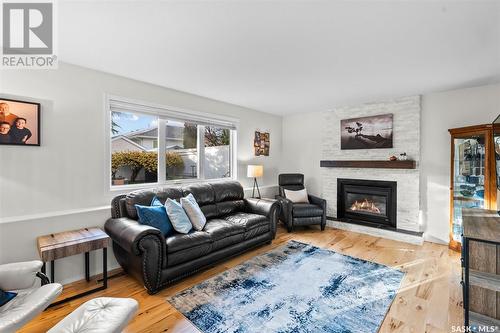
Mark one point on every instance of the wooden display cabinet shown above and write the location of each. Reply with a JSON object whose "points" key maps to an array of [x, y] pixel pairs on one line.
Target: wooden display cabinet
{"points": [[472, 176]]}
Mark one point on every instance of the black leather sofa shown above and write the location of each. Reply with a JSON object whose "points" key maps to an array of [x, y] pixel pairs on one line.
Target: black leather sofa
{"points": [[234, 225], [299, 214]]}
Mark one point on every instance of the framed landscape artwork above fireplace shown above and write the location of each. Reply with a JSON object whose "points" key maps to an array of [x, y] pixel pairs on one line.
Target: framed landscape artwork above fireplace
{"points": [[366, 132]]}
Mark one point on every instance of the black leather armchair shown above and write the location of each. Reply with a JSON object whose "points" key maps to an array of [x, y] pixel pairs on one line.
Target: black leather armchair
{"points": [[299, 214]]}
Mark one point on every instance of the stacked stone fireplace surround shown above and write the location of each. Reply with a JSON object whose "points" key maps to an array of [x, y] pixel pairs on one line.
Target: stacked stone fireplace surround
{"points": [[406, 138]]}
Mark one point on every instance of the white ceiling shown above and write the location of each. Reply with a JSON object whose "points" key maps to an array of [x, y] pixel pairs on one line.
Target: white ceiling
{"points": [[288, 56]]}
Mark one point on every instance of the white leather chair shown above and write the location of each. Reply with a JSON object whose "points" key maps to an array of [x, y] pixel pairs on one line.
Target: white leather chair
{"points": [[32, 297]]}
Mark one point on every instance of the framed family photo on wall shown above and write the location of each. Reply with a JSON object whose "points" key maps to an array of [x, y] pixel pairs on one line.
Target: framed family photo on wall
{"points": [[19, 123]]}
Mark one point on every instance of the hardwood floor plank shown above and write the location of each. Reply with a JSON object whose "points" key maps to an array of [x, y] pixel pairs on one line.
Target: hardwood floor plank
{"points": [[429, 299]]}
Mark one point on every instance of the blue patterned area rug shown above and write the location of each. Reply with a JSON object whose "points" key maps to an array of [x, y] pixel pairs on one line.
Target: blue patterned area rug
{"points": [[293, 288]]}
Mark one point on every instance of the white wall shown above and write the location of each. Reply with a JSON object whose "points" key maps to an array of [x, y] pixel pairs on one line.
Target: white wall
{"points": [[68, 171], [440, 111]]}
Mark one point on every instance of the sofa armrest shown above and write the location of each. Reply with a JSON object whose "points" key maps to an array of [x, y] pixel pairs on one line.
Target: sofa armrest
{"points": [[321, 203], [266, 207], [128, 233], [140, 242], [286, 209], [317, 201], [19, 275]]}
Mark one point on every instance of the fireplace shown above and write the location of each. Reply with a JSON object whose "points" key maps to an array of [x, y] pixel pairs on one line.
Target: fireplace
{"points": [[368, 202]]}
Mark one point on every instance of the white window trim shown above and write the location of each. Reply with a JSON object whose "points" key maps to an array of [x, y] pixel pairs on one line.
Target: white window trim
{"points": [[172, 113]]}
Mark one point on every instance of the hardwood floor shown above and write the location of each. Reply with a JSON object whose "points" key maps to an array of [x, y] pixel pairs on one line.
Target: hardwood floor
{"points": [[429, 300]]}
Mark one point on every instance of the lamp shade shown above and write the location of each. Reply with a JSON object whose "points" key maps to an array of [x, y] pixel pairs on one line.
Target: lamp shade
{"points": [[255, 171]]}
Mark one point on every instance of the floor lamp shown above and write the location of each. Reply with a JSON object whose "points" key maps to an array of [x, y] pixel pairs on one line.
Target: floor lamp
{"points": [[255, 171]]}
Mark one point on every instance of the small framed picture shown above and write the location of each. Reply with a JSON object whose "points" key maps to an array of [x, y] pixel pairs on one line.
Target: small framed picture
{"points": [[19, 123]]}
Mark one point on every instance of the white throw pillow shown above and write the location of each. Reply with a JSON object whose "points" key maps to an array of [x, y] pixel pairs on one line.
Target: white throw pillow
{"points": [[297, 196], [193, 211]]}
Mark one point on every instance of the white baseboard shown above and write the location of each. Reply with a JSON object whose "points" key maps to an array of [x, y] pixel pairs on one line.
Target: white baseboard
{"points": [[398, 236]]}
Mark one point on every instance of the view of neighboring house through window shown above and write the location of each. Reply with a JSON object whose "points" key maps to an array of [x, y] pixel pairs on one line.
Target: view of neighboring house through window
{"points": [[182, 150], [134, 153], [192, 150]]}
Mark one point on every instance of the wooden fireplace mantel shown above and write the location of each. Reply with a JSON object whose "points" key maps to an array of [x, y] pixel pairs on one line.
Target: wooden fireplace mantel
{"points": [[409, 164]]}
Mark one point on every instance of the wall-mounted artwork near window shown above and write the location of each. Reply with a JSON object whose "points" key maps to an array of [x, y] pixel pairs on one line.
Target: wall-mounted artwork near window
{"points": [[19, 123], [261, 143], [366, 132]]}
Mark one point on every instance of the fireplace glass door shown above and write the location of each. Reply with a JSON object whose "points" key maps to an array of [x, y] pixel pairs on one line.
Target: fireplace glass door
{"points": [[371, 202], [366, 204]]}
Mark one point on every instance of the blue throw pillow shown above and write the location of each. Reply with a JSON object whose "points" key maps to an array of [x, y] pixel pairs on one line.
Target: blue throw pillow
{"points": [[156, 202], [178, 216], [6, 296], [155, 216]]}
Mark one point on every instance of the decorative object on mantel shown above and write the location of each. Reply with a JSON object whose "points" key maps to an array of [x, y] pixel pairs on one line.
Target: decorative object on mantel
{"points": [[19, 123], [261, 143], [255, 171], [367, 164], [393, 158], [403, 157], [366, 132]]}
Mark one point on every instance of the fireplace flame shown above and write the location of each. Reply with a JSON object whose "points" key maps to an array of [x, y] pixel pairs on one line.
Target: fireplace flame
{"points": [[365, 205]]}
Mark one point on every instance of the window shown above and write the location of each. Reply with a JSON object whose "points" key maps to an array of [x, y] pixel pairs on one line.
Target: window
{"points": [[151, 144], [133, 157], [182, 150], [217, 157]]}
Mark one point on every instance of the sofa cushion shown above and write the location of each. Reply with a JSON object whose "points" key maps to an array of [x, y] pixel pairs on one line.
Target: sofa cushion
{"points": [[188, 254], [227, 241], [210, 211], [247, 220], [224, 233], [219, 228], [230, 207], [203, 193], [307, 220], [306, 210], [180, 242], [256, 231], [227, 191]]}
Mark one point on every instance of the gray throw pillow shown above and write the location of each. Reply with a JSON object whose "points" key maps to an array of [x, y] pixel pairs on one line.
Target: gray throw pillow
{"points": [[178, 218], [193, 211]]}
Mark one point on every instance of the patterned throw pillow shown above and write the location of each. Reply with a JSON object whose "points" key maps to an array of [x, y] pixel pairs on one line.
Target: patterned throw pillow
{"points": [[178, 217], [155, 216], [193, 211]]}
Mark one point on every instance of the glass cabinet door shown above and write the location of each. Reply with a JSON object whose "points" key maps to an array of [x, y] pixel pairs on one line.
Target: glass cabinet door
{"points": [[469, 171]]}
